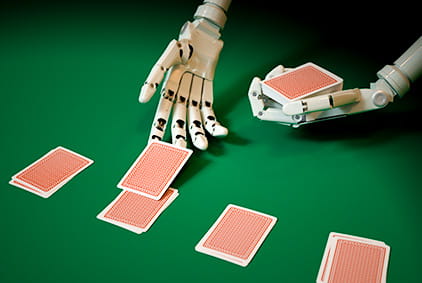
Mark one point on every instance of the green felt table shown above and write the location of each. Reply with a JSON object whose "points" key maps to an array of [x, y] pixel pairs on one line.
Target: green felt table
{"points": [[70, 74]]}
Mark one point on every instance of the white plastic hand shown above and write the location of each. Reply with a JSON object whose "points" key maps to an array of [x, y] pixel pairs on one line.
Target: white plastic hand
{"points": [[321, 106], [393, 80], [190, 64]]}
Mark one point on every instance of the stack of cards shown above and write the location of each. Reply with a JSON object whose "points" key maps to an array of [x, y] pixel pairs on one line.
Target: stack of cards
{"points": [[236, 235], [353, 259], [49, 173], [146, 193]]}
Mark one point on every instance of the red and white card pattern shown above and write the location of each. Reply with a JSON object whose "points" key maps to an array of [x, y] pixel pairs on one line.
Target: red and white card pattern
{"points": [[236, 235], [154, 170], [136, 212], [49, 173], [146, 193], [353, 259], [303, 81]]}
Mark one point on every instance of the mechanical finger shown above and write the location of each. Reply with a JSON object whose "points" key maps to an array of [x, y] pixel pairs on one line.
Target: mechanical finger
{"points": [[175, 53], [165, 104], [275, 72], [179, 115], [208, 116], [322, 102], [196, 130]]}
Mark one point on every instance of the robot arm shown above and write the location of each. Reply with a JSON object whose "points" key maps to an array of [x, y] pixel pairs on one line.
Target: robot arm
{"points": [[269, 103], [190, 63]]}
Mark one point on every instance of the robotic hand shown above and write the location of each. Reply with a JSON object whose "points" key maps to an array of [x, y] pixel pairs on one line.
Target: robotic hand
{"points": [[310, 94], [190, 64]]}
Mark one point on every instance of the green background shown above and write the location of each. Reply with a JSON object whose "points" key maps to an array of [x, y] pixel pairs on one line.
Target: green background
{"points": [[70, 73]]}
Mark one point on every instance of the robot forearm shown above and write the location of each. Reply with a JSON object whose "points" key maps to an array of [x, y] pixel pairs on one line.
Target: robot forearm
{"points": [[405, 70], [213, 11]]}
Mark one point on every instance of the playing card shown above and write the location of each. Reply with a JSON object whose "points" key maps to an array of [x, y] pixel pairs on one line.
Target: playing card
{"points": [[136, 212], [329, 249], [236, 235], [29, 189], [303, 81], [51, 171], [353, 259], [154, 170]]}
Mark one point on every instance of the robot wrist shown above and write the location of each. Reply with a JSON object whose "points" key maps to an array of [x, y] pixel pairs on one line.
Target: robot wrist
{"points": [[213, 11]]}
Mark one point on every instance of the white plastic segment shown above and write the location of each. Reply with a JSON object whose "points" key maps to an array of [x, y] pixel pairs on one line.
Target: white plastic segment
{"points": [[160, 119], [322, 102], [165, 104], [223, 4], [370, 99], [208, 116], [196, 130], [205, 48], [214, 11], [405, 70], [263, 108], [410, 63], [254, 94], [178, 129], [275, 72]]}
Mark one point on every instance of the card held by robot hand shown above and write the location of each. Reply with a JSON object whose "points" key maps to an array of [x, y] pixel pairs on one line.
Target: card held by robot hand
{"points": [[236, 235], [154, 170], [304, 81], [354, 260], [49, 173]]}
